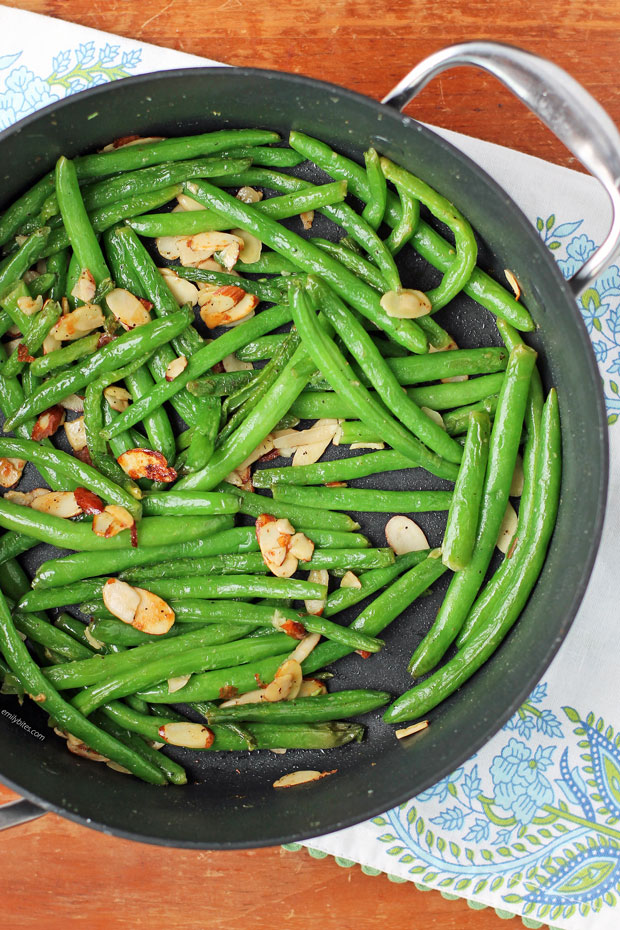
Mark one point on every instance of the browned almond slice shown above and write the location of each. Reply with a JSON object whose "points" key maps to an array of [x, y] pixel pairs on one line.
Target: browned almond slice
{"points": [[84, 288], [153, 615], [81, 321], [48, 422], [74, 403], [507, 530], [25, 499], [301, 547], [409, 731], [251, 248], [127, 308], [175, 367], [88, 502], [117, 397], [286, 682], [184, 292], [307, 219], [78, 748], [168, 246], [304, 647], [121, 599], [317, 576], [516, 287], [249, 195], [310, 687], [190, 735], [146, 463], [112, 521], [350, 580], [10, 471], [406, 304], [57, 504], [225, 307], [30, 305], [403, 535], [301, 777], [76, 433]]}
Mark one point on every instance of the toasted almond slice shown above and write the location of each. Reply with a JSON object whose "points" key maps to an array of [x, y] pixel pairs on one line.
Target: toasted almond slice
{"points": [[92, 640], [130, 140], [194, 249], [304, 647], [350, 580], [30, 305], [232, 363], [317, 576], [249, 195], [175, 367], [183, 291], [322, 430], [452, 345], [307, 219], [25, 499], [367, 445], [57, 504], [188, 204], [76, 433], [251, 248], [285, 526], [10, 471], [301, 777], [265, 446], [287, 568], [310, 687], [274, 542], [301, 547], [117, 397], [168, 246], [516, 287], [74, 403], [127, 308], [250, 697], [118, 768], [121, 599], [50, 344], [153, 615], [112, 521], [403, 535], [88, 501], [85, 287], [286, 681], [508, 529], [241, 478], [308, 455], [226, 307], [409, 731], [81, 749], [406, 304], [454, 379], [220, 296], [78, 323], [434, 415], [146, 463], [516, 488], [48, 422], [190, 735]]}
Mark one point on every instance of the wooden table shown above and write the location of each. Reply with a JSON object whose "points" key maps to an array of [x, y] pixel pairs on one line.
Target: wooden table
{"points": [[56, 874]]}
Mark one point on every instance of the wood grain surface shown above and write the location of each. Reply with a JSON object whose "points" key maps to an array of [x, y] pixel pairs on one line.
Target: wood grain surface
{"points": [[56, 874]]}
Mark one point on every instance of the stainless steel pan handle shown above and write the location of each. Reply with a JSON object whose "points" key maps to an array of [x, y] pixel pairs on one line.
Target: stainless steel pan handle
{"points": [[16, 812], [559, 101]]}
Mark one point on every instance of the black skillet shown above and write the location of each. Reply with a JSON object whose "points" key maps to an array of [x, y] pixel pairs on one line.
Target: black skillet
{"points": [[230, 801]]}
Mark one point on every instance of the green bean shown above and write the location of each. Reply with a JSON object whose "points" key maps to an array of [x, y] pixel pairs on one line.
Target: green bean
{"points": [[262, 289], [262, 155], [262, 348], [111, 630], [359, 265], [371, 582], [58, 264], [361, 346], [25, 206], [256, 504], [128, 158], [407, 224], [200, 362], [525, 569], [268, 263], [277, 208], [225, 564], [173, 772], [133, 344], [173, 665], [375, 208], [343, 635], [40, 631], [359, 466], [204, 436], [27, 254], [460, 532], [13, 544], [218, 384], [456, 421], [321, 707], [9, 300], [46, 598], [156, 424], [459, 362], [187, 503], [313, 260], [77, 225], [13, 579], [59, 358], [503, 448], [213, 540], [41, 284], [430, 244], [67, 717], [38, 329], [369, 500], [228, 586]]}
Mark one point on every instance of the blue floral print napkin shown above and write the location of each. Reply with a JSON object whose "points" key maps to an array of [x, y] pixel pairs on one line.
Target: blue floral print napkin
{"points": [[531, 824]]}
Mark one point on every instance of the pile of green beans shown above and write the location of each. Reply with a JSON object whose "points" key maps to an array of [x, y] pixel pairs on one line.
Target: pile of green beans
{"points": [[189, 495]]}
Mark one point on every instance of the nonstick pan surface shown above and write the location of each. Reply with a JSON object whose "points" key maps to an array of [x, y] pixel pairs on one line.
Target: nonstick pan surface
{"points": [[230, 801]]}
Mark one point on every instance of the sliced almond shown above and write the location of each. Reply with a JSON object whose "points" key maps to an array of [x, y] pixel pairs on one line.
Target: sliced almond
{"points": [[130, 140], [434, 415], [317, 576], [25, 499], [323, 430], [241, 478], [507, 530], [112, 521], [117, 397], [175, 684], [232, 363], [516, 287], [226, 305], [121, 599], [176, 367], [84, 288], [300, 778], [80, 322], [90, 639], [88, 501], [57, 504], [81, 749], [452, 345], [188, 204], [310, 687], [127, 308], [307, 219], [403, 535], [194, 249], [10, 471], [190, 735], [286, 682], [74, 403], [304, 647], [153, 615], [168, 246], [274, 541], [30, 305], [249, 195], [183, 291], [406, 304], [146, 463], [48, 422], [409, 731], [50, 344], [301, 547], [367, 445], [350, 580], [251, 248], [250, 697], [76, 433], [516, 488]]}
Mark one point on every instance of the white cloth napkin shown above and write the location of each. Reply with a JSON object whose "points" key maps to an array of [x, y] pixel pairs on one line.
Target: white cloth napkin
{"points": [[531, 824]]}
